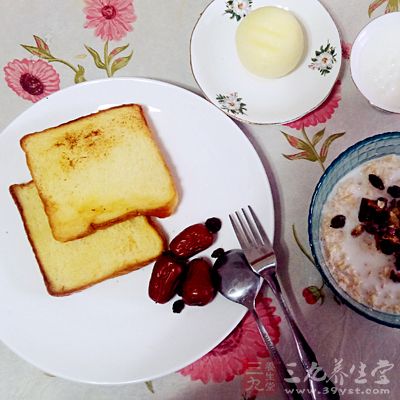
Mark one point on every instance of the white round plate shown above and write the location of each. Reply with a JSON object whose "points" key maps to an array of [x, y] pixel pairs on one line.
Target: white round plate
{"points": [[375, 68], [246, 97], [112, 332]]}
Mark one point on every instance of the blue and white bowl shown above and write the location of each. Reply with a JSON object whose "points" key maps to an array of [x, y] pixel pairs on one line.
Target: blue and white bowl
{"points": [[361, 152]]}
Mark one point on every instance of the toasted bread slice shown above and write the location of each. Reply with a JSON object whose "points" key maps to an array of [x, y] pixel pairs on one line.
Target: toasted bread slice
{"points": [[75, 265], [97, 170]]}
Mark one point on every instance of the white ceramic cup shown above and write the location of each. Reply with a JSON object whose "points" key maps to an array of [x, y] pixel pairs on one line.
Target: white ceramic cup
{"points": [[375, 62]]}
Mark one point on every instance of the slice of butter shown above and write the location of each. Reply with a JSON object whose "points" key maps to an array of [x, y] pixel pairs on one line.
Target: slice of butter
{"points": [[270, 42]]}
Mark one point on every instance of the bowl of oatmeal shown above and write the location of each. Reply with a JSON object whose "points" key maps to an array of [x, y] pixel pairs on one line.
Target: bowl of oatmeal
{"points": [[354, 227]]}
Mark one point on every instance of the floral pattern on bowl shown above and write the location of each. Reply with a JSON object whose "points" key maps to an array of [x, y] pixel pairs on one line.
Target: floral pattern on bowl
{"points": [[324, 59]]}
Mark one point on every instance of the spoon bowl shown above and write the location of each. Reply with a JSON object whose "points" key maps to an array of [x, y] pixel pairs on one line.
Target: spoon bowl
{"points": [[237, 281]]}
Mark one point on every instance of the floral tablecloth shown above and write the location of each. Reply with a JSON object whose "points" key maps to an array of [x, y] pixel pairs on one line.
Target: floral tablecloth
{"points": [[50, 44]]}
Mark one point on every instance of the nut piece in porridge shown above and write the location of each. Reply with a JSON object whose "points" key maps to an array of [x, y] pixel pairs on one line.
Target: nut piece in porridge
{"points": [[360, 231]]}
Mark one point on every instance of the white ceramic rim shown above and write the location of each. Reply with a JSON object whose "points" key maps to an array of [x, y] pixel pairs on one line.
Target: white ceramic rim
{"points": [[355, 48], [267, 191]]}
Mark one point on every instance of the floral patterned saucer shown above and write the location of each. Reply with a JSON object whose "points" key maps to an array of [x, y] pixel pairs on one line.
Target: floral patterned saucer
{"points": [[246, 97]]}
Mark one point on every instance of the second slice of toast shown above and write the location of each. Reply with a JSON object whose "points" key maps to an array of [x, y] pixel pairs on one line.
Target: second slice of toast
{"points": [[68, 267], [97, 170]]}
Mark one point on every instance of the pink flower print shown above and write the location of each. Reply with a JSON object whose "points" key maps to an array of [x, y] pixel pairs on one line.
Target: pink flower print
{"points": [[31, 79], [111, 19], [346, 50], [321, 114], [243, 346]]}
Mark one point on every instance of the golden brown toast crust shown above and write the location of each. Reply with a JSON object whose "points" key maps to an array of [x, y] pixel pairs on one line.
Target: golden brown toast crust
{"points": [[23, 139], [128, 268], [161, 212]]}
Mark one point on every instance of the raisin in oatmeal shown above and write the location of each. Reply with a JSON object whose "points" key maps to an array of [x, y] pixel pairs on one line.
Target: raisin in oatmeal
{"points": [[360, 233]]}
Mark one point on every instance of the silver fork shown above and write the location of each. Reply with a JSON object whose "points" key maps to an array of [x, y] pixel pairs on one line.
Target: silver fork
{"points": [[261, 256]]}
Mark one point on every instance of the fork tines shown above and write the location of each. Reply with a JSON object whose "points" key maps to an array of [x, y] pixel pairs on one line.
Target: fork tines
{"points": [[248, 228]]}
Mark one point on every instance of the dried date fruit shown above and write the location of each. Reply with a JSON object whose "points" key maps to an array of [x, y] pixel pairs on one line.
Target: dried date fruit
{"points": [[382, 218], [367, 210], [376, 182], [198, 288], [371, 228], [191, 241], [171, 275], [165, 277], [338, 221], [195, 238]]}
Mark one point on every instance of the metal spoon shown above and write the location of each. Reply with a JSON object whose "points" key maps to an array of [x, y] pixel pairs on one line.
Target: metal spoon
{"points": [[238, 283]]}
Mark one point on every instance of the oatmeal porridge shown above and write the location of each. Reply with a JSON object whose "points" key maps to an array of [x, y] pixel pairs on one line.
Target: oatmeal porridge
{"points": [[360, 233]]}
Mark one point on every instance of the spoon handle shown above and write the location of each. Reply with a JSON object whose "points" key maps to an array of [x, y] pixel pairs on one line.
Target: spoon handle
{"points": [[321, 388], [285, 378]]}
